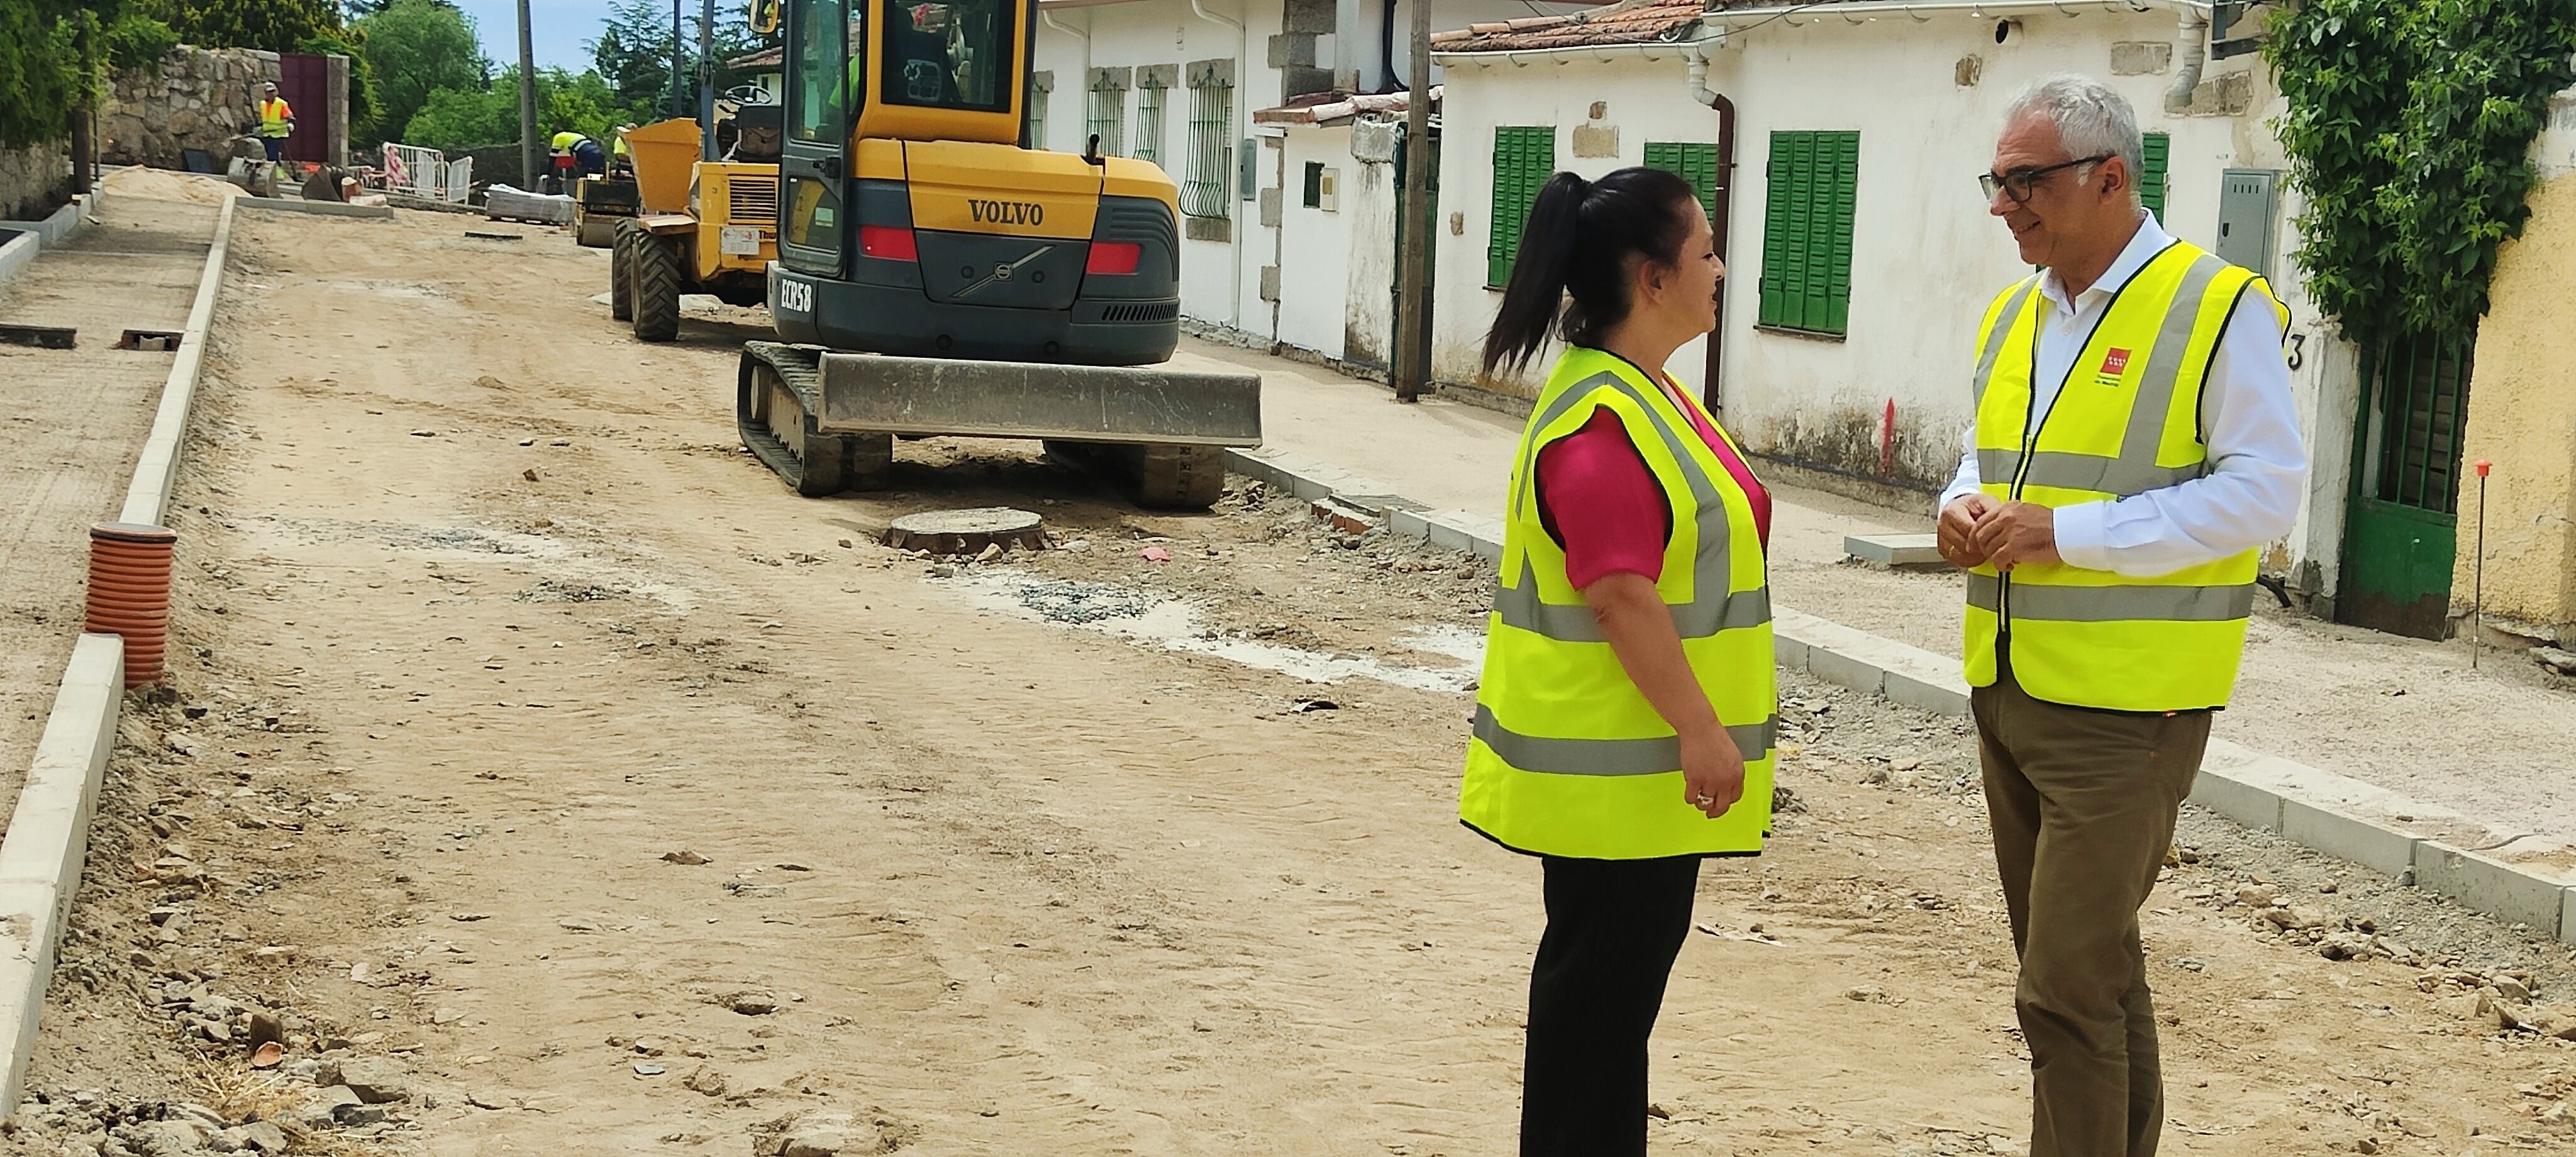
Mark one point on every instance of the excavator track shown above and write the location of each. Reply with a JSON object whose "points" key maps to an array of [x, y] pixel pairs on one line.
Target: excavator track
{"points": [[775, 399], [1159, 476]]}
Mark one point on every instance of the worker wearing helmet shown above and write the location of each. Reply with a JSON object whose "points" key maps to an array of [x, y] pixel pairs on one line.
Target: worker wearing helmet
{"points": [[276, 121], [576, 155]]}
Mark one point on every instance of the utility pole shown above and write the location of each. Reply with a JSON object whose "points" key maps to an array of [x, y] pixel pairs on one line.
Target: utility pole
{"points": [[84, 122], [1412, 304], [527, 102], [707, 79], [679, 105]]}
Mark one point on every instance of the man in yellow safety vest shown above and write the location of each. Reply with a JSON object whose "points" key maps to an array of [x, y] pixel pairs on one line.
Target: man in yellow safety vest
{"points": [[2134, 447], [276, 121]]}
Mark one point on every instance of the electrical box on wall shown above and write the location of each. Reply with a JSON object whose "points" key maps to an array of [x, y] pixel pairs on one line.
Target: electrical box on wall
{"points": [[2249, 201], [1248, 170]]}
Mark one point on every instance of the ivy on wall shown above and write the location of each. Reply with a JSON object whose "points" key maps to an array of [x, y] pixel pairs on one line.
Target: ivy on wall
{"points": [[2409, 131]]}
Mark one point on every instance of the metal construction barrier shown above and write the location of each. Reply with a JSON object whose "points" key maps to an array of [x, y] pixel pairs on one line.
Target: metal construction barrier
{"points": [[427, 173]]}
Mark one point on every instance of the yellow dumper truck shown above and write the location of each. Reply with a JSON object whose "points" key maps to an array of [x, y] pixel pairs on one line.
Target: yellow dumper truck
{"points": [[700, 226]]}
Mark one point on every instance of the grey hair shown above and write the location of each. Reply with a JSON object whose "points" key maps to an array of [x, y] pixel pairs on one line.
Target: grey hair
{"points": [[2092, 119]]}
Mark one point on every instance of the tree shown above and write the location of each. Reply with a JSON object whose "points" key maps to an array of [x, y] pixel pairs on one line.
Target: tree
{"points": [[633, 54], [456, 119], [415, 48], [274, 26]]}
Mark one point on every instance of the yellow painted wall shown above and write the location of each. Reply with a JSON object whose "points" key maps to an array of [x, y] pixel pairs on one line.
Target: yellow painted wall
{"points": [[2522, 417]]}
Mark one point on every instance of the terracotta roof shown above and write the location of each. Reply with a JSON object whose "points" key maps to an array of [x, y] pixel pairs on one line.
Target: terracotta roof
{"points": [[1334, 107], [1629, 22]]}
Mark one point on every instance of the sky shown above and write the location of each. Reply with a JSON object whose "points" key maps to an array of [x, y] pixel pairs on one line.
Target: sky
{"points": [[561, 29]]}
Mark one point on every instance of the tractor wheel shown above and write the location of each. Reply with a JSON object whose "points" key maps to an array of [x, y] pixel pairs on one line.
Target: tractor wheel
{"points": [[621, 273], [655, 262]]}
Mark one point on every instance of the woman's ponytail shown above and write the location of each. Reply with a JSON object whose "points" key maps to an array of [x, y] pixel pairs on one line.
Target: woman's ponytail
{"points": [[1535, 292], [1578, 243]]}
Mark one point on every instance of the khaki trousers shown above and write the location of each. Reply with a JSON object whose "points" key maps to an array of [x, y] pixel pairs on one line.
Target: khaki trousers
{"points": [[2083, 804]]}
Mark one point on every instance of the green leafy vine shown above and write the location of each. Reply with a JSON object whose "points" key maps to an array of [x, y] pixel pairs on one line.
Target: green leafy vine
{"points": [[2409, 131]]}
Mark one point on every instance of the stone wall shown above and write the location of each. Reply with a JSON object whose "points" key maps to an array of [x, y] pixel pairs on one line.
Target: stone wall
{"points": [[34, 182], [200, 99]]}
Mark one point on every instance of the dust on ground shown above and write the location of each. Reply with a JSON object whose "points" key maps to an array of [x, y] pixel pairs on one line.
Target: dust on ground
{"points": [[548, 777], [168, 185]]}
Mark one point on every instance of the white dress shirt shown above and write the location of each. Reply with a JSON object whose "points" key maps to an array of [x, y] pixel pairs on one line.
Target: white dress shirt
{"points": [[2249, 498]]}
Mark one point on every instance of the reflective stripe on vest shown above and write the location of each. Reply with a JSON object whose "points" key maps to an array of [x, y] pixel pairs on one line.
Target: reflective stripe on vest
{"points": [[2125, 421], [1566, 757]]}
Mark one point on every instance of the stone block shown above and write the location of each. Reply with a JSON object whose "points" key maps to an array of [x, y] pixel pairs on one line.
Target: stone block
{"points": [[1208, 228], [2348, 837], [2504, 891], [1269, 283], [1373, 142], [2567, 917], [1270, 202], [2250, 804], [1835, 666], [1291, 49], [1938, 696], [1790, 653], [2141, 57], [1895, 550], [1596, 140]]}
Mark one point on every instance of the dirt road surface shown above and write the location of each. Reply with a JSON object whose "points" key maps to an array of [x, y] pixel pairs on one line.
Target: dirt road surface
{"points": [[492, 635]]}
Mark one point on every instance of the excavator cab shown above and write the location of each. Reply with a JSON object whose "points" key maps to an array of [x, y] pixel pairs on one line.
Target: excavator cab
{"points": [[936, 274], [917, 221]]}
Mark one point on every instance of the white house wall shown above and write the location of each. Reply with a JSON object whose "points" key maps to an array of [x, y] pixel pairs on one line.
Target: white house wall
{"points": [[1927, 258]]}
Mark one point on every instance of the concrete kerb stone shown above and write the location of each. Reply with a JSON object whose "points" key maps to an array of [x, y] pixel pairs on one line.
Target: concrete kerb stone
{"points": [[48, 837], [158, 466], [323, 208], [40, 859], [2317, 809], [2492, 886], [17, 253], [62, 224]]}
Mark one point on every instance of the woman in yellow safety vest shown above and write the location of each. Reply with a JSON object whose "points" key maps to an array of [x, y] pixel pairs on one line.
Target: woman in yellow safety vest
{"points": [[1623, 728]]}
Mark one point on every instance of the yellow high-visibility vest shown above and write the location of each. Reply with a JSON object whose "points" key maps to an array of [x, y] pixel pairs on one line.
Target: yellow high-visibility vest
{"points": [[1567, 757], [2127, 421], [273, 115]]}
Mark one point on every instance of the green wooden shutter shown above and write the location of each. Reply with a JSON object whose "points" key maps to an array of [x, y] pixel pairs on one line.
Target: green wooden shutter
{"points": [[2151, 183], [1691, 161], [1780, 234], [1810, 214], [1841, 152], [1524, 157]]}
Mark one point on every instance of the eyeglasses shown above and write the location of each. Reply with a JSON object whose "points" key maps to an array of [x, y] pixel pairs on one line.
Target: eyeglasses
{"points": [[2018, 183]]}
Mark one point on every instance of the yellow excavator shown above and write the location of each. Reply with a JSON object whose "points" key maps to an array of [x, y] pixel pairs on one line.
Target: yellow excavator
{"points": [[937, 274]]}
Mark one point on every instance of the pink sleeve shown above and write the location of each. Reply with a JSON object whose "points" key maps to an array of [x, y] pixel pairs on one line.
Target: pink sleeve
{"points": [[1606, 508]]}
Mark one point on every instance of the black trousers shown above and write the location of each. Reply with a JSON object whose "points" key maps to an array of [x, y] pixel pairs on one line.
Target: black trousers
{"points": [[1613, 929]]}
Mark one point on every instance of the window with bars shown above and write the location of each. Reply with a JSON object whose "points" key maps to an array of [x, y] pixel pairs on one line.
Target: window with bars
{"points": [[1807, 231], [1149, 116], [1108, 115], [1205, 183], [2151, 178], [1524, 157], [1037, 113], [1692, 161]]}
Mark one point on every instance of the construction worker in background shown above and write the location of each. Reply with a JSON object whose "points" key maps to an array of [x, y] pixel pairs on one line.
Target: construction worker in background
{"points": [[621, 156], [574, 155], [276, 121]]}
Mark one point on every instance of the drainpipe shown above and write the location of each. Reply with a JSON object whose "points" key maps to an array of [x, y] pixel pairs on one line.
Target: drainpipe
{"points": [[2191, 43], [1699, 51], [1048, 18], [1242, 63]]}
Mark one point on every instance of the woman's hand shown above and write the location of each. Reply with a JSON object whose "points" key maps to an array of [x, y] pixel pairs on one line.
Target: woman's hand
{"points": [[1640, 629], [1712, 771]]}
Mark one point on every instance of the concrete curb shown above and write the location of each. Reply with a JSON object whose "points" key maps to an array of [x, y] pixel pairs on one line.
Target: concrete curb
{"points": [[17, 253], [158, 465], [62, 224], [322, 208], [48, 840], [2339, 816], [40, 860]]}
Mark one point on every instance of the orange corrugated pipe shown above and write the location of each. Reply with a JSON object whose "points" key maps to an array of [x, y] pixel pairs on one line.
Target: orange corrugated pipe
{"points": [[129, 593]]}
